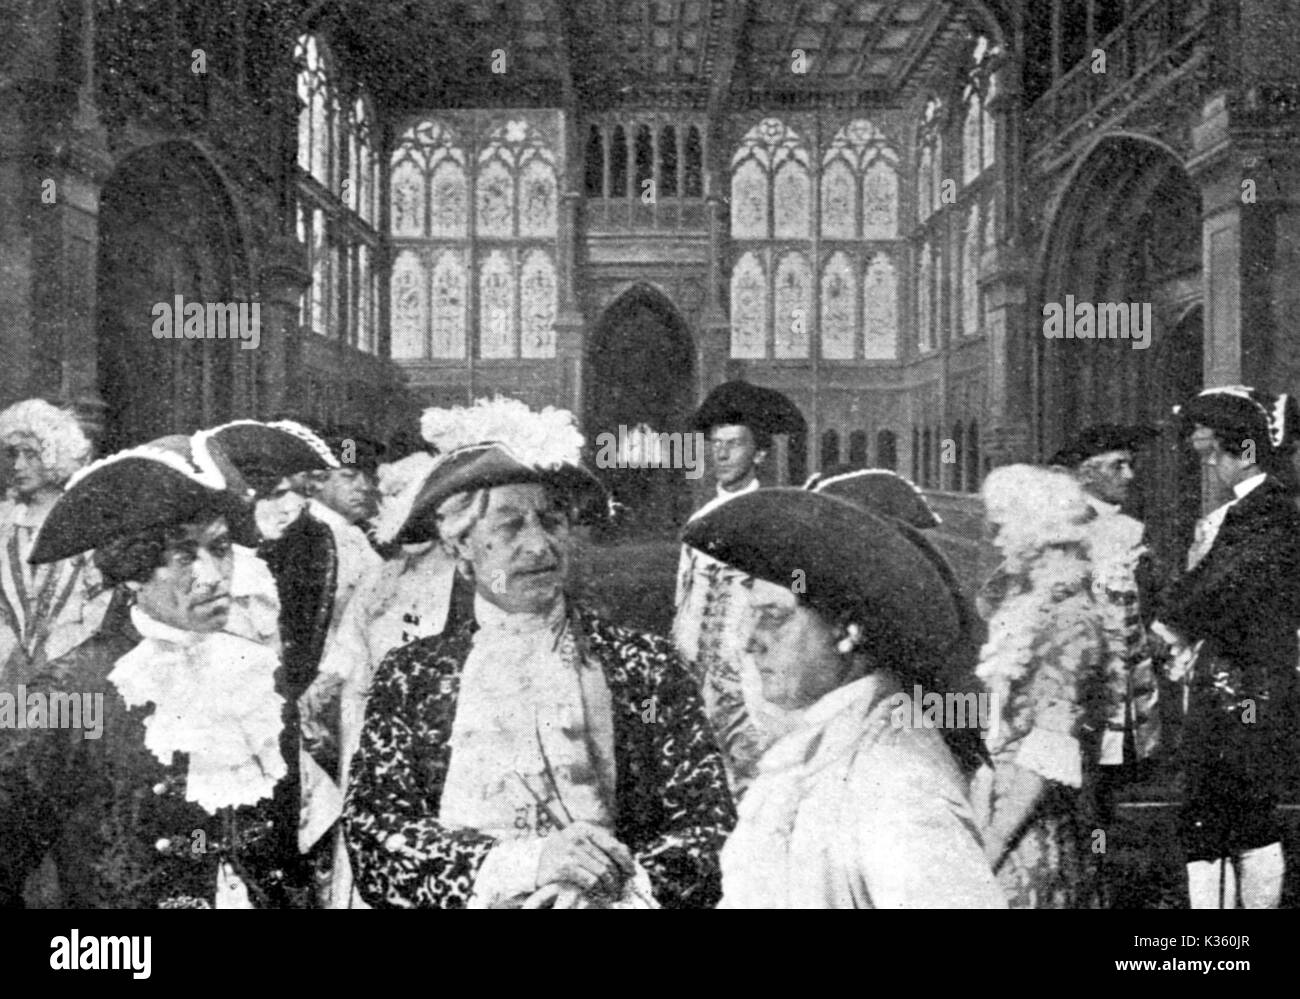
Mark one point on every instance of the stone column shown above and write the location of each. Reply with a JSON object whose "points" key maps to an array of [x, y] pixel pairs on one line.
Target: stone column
{"points": [[54, 162], [1250, 195], [283, 279], [570, 323], [1007, 430]]}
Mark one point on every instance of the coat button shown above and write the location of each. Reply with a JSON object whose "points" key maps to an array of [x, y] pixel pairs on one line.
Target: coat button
{"points": [[160, 788], [163, 845]]}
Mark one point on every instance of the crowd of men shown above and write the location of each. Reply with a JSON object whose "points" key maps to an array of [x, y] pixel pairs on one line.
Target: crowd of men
{"points": [[333, 680]]}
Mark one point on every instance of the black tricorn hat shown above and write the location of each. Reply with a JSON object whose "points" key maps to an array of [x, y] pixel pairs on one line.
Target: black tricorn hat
{"points": [[880, 490], [845, 561], [761, 409], [265, 453], [354, 447], [1242, 413], [158, 484], [483, 466], [1101, 439]]}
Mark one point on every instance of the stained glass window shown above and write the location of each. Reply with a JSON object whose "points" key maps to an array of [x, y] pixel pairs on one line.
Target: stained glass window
{"points": [[970, 264], [748, 308], [880, 309], [772, 180], [496, 306], [506, 249], [410, 306], [839, 305], [449, 301], [924, 299], [537, 304], [792, 306], [337, 164], [749, 202], [839, 201]]}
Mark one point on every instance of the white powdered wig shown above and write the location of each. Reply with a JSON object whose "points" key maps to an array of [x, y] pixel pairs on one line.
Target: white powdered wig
{"points": [[63, 445], [1035, 507], [545, 440]]}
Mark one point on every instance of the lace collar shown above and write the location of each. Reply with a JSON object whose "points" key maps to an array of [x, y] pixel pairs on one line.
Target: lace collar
{"points": [[214, 701]]}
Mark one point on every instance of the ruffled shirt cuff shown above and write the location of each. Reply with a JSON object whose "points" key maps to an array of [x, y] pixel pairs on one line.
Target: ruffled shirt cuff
{"points": [[1053, 756], [508, 871]]}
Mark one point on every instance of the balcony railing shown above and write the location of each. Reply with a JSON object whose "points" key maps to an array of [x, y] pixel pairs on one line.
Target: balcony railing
{"points": [[1157, 38]]}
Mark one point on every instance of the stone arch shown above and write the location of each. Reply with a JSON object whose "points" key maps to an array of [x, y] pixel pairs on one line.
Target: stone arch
{"points": [[168, 226], [640, 362]]}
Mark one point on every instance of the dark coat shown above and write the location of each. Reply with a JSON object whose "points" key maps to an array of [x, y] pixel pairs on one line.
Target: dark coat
{"points": [[1243, 601], [122, 833], [673, 805]]}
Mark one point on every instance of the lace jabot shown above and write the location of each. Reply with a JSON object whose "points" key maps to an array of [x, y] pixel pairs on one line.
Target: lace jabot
{"points": [[215, 701]]}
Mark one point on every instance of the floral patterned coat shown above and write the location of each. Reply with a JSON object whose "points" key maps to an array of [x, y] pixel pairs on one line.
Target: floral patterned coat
{"points": [[673, 806]]}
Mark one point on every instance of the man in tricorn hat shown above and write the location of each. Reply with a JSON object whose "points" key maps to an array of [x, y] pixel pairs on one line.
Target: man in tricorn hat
{"points": [[1101, 458], [167, 801], [853, 807], [535, 756], [1234, 614], [739, 420]]}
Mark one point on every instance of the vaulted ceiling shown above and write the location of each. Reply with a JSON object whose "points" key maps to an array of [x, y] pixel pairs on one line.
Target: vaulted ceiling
{"points": [[666, 53]]}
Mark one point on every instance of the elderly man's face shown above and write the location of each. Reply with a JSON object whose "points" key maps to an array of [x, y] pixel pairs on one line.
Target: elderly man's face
{"points": [[793, 648], [28, 473], [520, 549], [1108, 476], [191, 589]]}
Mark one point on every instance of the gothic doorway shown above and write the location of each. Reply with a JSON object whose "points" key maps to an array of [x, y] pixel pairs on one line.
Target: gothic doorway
{"points": [[640, 373], [166, 229], [1128, 231]]}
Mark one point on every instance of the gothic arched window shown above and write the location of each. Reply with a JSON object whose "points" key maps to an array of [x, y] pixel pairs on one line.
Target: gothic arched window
{"points": [[337, 179], [490, 225], [978, 134], [773, 229]]}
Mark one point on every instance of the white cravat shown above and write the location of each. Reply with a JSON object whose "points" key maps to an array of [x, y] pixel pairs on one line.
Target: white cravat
{"points": [[214, 699], [524, 703]]}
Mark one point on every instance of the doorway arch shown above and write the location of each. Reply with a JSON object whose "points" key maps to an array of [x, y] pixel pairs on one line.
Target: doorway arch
{"points": [[640, 370], [1128, 230], [167, 227]]}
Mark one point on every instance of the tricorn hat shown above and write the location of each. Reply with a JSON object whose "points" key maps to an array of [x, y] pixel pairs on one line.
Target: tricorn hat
{"points": [[881, 490], [264, 453], [1242, 413], [495, 442], [846, 561], [763, 410], [158, 484], [1101, 439]]}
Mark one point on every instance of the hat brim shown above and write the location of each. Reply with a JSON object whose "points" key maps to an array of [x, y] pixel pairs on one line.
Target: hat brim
{"points": [[739, 403], [262, 453], [1103, 440], [128, 496], [484, 467], [881, 491], [845, 561]]}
